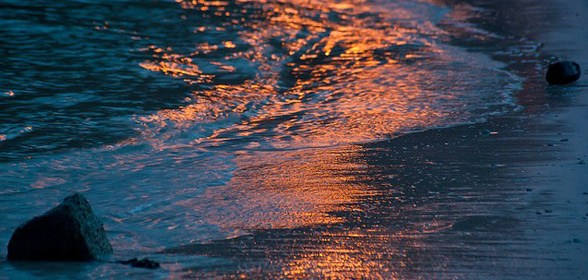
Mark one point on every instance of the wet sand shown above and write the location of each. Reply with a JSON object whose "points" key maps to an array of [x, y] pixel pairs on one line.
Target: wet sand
{"points": [[504, 199]]}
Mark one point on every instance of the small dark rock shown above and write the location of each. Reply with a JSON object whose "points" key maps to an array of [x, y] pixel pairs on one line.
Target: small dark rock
{"points": [[563, 72], [548, 211], [538, 213], [143, 263], [564, 140], [581, 162], [585, 193], [529, 189], [576, 240], [68, 232]]}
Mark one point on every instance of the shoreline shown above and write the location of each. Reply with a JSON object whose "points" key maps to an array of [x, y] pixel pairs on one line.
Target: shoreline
{"points": [[473, 201], [543, 152]]}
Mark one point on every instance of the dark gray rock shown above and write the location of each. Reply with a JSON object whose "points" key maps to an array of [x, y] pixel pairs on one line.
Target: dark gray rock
{"points": [[563, 72], [68, 232], [143, 263]]}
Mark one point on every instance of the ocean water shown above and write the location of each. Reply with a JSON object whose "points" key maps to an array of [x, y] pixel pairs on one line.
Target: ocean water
{"points": [[186, 122]]}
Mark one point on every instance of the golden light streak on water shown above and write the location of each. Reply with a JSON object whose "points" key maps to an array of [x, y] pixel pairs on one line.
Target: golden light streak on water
{"points": [[273, 190], [308, 74], [344, 82], [344, 256], [317, 82]]}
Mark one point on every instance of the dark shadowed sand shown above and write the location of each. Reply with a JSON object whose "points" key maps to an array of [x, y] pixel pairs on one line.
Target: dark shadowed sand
{"points": [[505, 199]]}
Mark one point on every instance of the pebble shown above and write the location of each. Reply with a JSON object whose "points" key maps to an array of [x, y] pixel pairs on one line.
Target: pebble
{"points": [[143, 263], [563, 72]]}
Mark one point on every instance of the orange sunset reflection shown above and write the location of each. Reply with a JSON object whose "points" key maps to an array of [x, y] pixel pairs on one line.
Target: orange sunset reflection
{"points": [[309, 80], [290, 89], [282, 190], [346, 232], [305, 189]]}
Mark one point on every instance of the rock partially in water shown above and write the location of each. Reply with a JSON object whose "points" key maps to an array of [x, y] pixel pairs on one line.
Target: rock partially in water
{"points": [[143, 263], [563, 72], [68, 232]]}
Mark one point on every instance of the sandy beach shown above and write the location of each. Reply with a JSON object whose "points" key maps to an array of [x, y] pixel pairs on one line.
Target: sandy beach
{"points": [[504, 199]]}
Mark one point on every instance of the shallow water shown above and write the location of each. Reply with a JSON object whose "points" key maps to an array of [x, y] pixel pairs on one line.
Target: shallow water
{"points": [[187, 122]]}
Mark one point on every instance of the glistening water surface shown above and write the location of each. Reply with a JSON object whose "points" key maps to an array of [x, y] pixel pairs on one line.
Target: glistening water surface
{"points": [[187, 122]]}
